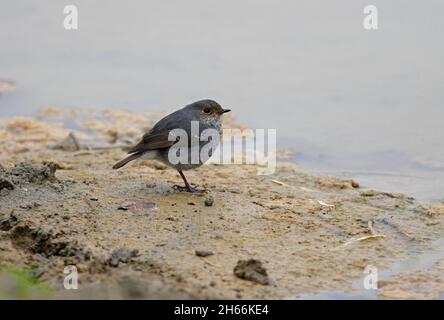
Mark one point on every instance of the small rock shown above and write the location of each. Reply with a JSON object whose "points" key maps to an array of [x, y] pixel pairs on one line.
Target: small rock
{"points": [[123, 255], [209, 201], [29, 206], [5, 183], [204, 253], [251, 270]]}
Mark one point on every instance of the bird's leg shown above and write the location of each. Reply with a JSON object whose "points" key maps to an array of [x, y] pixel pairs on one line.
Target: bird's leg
{"points": [[187, 185]]}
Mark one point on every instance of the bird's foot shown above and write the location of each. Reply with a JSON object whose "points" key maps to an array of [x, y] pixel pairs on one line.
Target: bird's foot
{"points": [[188, 189]]}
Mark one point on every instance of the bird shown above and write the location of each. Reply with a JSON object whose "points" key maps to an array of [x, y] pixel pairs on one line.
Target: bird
{"points": [[162, 141]]}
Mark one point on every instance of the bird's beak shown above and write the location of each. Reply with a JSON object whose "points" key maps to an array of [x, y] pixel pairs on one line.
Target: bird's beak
{"points": [[226, 110]]}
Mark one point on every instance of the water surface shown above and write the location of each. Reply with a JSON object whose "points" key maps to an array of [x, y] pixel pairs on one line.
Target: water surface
{"points": [[351, 102]]}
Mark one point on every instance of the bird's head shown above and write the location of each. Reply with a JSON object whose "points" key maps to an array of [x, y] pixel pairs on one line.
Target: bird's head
{"points": [[207, 109]]}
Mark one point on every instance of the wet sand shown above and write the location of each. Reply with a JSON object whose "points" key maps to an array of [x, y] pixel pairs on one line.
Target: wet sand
{"points": [[132, 236]]}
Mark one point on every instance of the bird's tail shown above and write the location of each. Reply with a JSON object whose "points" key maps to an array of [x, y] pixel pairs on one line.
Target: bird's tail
{"points": [[123, 162]]}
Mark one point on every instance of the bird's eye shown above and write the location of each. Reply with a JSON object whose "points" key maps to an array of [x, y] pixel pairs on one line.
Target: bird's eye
{"points": [[207, 110]]}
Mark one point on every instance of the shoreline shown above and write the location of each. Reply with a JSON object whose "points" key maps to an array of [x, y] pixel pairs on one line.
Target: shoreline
{"points": [[310, 233]]}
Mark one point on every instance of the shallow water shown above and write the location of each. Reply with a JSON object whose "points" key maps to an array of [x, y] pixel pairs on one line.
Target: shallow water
{"points": [[422, 261]]}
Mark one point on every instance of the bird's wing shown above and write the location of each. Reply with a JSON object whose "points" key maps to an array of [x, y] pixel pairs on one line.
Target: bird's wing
{"points": [[153, 140], [157, 137]]}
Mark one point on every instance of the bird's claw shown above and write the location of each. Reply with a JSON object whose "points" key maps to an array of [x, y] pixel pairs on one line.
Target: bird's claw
{"points": [[188, 189]]}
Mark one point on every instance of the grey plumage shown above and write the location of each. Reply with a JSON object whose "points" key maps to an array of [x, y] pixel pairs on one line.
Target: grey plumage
{"points": [[156, 145]]}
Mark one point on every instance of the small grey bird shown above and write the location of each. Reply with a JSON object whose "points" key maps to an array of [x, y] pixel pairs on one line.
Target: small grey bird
{"points": [[158, 141]]}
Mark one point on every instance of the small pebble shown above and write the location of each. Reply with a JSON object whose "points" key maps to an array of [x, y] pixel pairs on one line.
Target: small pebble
{"points": [[354, 184], [209, 201], [204, 253]]}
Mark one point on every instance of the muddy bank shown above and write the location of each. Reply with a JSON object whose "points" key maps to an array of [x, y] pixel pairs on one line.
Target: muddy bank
{"points": [[131, 235]]}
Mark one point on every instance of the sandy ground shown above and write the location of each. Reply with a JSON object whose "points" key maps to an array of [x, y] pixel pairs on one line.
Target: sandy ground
{"points": [[131, 235]]}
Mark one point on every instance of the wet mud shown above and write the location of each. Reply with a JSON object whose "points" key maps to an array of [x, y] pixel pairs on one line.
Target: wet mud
{"points": [[131, 235]]}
